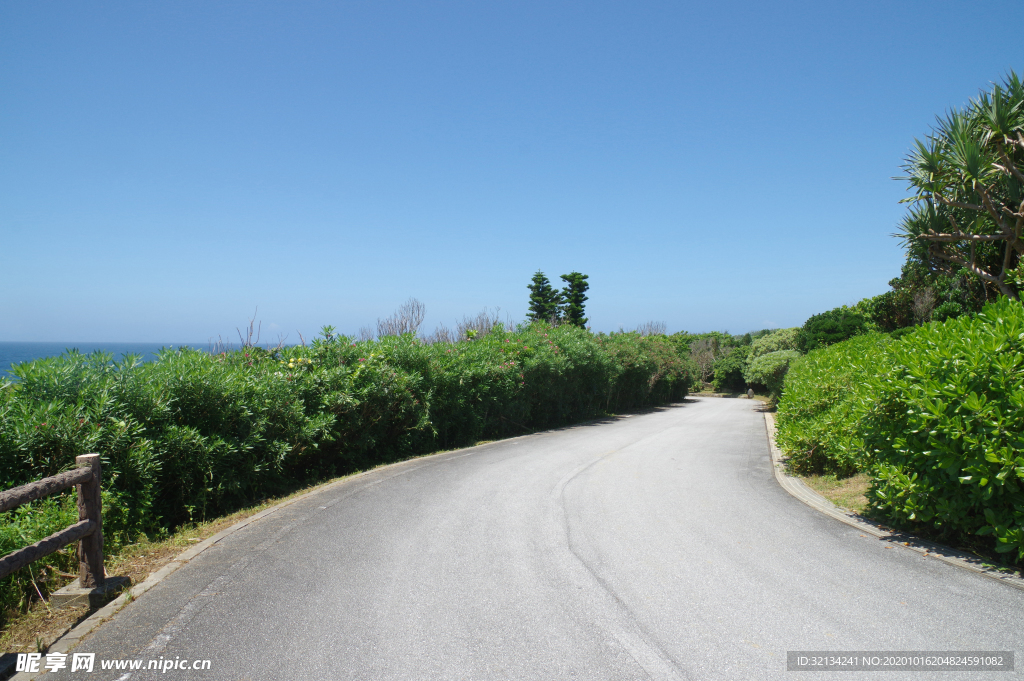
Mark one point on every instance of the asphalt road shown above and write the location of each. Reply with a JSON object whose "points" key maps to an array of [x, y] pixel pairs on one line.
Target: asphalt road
{"points": [[653, 546]]}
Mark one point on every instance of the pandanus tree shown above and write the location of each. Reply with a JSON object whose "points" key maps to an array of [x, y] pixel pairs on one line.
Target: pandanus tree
{"points": [[967, 180]]}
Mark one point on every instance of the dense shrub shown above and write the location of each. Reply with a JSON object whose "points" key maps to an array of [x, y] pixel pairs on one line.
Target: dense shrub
{"points": [[818, 412], [947, 310], [648, 371], [191, 435], [770, 370], [729, 370], [720, 358], [944, 428], [921, 294], [782, 339], [830, 327], [26, 525], [891, 310], [684, 340]]}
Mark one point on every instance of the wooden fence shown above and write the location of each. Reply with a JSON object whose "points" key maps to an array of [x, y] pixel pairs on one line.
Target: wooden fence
{"points": [[88, 531]]}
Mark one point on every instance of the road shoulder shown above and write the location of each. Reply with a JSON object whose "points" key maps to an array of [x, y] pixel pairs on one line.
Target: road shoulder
{"points": [[801, 491]]}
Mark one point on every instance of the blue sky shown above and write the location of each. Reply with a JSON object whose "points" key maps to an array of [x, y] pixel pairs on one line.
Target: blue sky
{"points": [[167, 168]]}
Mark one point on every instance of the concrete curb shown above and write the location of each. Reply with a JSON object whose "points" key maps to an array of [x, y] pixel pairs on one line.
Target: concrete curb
{"points": [[801, 491]]}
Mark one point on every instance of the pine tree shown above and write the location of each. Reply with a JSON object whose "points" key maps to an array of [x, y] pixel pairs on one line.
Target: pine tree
{"points": [[573, 298], [544, 299]]}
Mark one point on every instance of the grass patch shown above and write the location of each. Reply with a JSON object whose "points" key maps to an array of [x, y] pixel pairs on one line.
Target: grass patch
{"points": [[849, 493]]}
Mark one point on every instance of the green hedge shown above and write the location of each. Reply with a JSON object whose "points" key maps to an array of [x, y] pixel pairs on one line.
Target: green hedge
{"points": [[729, 370], [944, 427], [782, 339], [833, 326], [936, 418], [192, 436], [770, 370], [818, 411]]}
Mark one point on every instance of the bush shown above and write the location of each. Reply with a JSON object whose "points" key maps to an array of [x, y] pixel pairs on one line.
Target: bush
{"points": [[900, 333], [649, 371], [770, 370], [943, 426], [817, 416], [729, 371], [26, 525], [782, 339], [891, 310], [920, 294], [947, 310], [830, 327]]}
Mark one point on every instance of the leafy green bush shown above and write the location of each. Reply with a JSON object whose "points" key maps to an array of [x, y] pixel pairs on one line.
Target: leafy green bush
{"points": [[817, 415], [782, 339], [720, 357], [770, 370], [947, 310], [729, 370], [192, 436], [951, 295], [944, 428], [830, 327], [26, 525], [649, 371], [890, 310], [683, 340], [901, 332]]}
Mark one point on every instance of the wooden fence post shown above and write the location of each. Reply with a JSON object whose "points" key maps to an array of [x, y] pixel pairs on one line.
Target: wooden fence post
{"points": [[90, 507]]}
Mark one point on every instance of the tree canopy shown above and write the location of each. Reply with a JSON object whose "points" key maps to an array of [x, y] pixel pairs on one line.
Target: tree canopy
{"points": [[830, 327], [545, 301], [967, 211], [573, 297], [551, 305]]}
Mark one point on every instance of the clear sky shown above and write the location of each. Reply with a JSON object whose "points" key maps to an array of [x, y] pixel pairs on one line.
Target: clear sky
{"points": [[166, 168]]}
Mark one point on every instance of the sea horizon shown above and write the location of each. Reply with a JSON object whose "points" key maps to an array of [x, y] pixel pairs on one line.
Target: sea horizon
{"points": [[18, 352]]}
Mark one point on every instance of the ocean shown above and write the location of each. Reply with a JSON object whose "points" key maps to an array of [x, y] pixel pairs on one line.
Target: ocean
{"points": [[15, 353]]}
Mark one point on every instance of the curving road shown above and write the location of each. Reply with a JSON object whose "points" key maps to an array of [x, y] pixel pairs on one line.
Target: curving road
{"points": [[653, 546]]}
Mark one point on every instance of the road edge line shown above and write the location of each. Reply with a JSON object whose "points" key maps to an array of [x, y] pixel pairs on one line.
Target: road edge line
{"points": [[946, 554]]}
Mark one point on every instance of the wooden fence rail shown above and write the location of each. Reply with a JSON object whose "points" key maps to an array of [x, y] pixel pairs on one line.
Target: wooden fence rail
{"points": [[88, 531]]}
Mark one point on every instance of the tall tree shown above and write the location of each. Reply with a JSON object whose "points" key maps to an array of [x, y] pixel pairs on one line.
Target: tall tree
{"points": [[573, 298], [544, 299], [968, 184]]}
